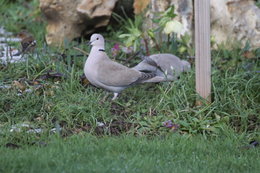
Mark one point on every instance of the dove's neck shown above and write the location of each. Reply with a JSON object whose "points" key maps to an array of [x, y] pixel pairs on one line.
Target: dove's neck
{"points": [[97, 49], [97, 54]]}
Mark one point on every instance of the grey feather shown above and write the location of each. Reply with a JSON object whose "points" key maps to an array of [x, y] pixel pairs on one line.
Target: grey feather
{"points": [[167, 67], [104, 73]]}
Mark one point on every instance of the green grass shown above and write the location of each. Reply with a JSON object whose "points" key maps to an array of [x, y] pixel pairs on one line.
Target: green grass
{"points": [[19, 15], [208, 140], [140, 109], [176, 153], [258, 3], [235, 105]]}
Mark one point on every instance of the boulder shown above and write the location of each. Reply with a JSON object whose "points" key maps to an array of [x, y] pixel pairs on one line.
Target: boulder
{"points": [[235, 20], [183, 9], [68, 19], [231, 20]]}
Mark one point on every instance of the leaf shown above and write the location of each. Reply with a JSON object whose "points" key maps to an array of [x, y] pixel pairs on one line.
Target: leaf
{"points": [[19, 85], [156, 20], [247, 47], [170, 12], [184, 123], [151, 33], [124, 35], [182, 49]]}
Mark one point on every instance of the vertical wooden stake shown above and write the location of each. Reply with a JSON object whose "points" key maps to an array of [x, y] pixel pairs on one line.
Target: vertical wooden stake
{"points": [[202, 52]]}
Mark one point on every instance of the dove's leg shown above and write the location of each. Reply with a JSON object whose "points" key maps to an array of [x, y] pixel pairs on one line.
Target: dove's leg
{"points": [[115, 96]]}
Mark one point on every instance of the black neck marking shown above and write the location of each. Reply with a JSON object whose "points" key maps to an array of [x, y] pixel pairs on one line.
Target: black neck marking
{"points": [[101, 50]]}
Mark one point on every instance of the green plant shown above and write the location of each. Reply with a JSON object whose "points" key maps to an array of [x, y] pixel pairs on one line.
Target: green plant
{"points": [[164, 24], [258, 3], [164, 17], [176, 43], [134, 33], [21, 15], [44, 101]]}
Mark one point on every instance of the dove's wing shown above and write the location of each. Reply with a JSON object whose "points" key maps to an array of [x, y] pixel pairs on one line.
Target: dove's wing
{"points": [[114, 74]]}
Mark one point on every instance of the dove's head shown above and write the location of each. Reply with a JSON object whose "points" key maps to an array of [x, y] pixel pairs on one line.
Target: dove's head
{"points": [[186, 65], [97, 40]]}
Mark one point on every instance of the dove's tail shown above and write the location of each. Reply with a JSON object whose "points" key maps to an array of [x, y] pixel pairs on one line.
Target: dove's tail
{"points": [[151, 62], [145, 76]]}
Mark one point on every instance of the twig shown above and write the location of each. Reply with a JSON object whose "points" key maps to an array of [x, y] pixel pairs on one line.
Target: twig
{"points": [[131, 57], [156, 44], [82, 51], [146, 47]]}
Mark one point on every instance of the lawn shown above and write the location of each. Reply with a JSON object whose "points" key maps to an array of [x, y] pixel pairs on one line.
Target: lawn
{"points": [[52, 120], [85, 153]]}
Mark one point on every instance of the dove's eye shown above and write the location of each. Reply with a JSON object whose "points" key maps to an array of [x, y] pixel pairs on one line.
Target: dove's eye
{"points": [[97, 38]]}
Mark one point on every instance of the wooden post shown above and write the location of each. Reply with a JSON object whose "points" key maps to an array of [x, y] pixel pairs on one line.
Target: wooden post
{"points": [[202, 52]]}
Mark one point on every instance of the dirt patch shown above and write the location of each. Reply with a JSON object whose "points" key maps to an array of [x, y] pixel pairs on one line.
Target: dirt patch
{"points": [[115, 127]]}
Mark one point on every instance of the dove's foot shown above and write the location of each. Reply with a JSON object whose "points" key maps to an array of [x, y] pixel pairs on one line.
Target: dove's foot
{"points": [[115, 96]]}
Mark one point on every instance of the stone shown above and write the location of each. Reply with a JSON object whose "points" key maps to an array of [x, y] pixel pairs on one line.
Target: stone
{"points": [[140, 5], [183, 9], [68, 19], [235, 20], [97, 10], [231, 20]]}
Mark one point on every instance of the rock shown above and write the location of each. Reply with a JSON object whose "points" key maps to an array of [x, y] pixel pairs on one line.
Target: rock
{"points": [[97, 10], [63, 21], [140, 5], [69, 19], [183, 9], [231, 20], [235, 20]]}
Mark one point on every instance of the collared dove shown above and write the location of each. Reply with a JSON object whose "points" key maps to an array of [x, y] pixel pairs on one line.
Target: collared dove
{"points": [[167, 67], [104, 73]]}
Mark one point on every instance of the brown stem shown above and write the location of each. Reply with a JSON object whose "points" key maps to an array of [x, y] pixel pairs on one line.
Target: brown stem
{"points": [[146, 46], [156, 44], [82, 51]]}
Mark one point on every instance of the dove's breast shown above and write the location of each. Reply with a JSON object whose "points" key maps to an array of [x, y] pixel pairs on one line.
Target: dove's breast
{"points": [[91, 74], [90, 69]]}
